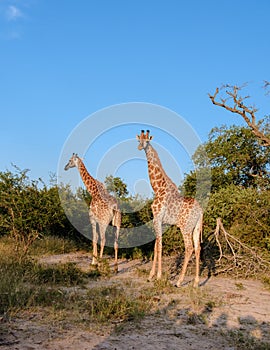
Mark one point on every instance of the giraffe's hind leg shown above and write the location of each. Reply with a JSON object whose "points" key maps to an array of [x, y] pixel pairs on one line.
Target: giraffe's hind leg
{"points": [[95, 239], [153, 269], [188, 252]]}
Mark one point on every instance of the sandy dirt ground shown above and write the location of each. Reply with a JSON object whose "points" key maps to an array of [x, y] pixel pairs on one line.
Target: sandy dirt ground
{"points": [[239, 307]]}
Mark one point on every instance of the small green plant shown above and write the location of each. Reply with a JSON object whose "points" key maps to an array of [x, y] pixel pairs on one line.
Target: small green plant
{"points": [[194, 318], [164, 285], [142, 272], [266, 281], [103, 267], [239, 286], [200, 301], [137, 253], [209, 306], [241, 340]]}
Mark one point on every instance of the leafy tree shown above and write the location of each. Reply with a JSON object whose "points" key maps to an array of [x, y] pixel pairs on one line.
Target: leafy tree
{"points": [[235, 157], [240, 184], [83, 194], [116, 186], [137, 218]]}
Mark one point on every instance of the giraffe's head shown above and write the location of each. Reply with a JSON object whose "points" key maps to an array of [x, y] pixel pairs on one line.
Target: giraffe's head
{"points": [[73, 162], [144, 139]]}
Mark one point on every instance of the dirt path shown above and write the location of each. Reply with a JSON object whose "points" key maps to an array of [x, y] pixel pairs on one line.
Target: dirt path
{"points": [[233, 312]]}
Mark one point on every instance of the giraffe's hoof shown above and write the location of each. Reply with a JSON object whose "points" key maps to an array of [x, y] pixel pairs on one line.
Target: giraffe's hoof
{"points": [[196, 283], [178, 284]]}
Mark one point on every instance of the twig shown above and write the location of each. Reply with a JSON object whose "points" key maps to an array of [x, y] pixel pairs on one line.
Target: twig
{"points": [[226, 237], [248, 113]]}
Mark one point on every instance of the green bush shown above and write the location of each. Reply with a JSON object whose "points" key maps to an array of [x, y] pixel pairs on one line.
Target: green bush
{"points": [[27, 208], [30, 210], [245, 212]]}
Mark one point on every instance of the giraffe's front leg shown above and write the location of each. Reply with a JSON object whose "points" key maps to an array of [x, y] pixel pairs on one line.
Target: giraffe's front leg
{"points": [[116, 222], [159, 256], [102, 230], [157, 251], [116, 249], [153, 269], [197, 248]]}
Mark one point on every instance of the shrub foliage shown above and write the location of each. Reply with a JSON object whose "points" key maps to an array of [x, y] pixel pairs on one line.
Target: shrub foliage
{"points": [[30, 209]]}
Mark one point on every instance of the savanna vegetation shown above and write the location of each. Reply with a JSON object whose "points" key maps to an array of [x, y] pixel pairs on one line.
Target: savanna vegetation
{"points": [[33, 222], [30, 210]]}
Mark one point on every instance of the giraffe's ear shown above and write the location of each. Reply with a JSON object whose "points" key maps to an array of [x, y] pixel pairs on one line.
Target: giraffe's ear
{"points": [[138, 137], [150, 138]]}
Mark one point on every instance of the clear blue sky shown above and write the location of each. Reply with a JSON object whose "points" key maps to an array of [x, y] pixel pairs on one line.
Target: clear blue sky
{"points": [[63, 60]]}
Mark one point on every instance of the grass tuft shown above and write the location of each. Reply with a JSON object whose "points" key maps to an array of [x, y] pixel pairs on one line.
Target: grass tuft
{"points": [[52, 245], [67, 275], [111, 303]]}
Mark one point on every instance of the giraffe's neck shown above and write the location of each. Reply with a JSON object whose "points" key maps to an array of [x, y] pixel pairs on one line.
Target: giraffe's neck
{"points": [[88, 180], [157, 175]]}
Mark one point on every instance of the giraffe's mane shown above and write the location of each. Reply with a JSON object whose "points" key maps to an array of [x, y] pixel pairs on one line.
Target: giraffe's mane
{"points": [[102, 191], [161, 169]]}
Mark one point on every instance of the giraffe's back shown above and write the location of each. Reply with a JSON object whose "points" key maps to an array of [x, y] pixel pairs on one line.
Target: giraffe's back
{"points": [[103, 208], [189, 214], [182, 211]]}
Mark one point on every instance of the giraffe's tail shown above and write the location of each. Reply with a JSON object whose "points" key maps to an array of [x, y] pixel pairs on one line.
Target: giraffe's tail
{"points": [[116, 220], [201, 227], [198, 230]]}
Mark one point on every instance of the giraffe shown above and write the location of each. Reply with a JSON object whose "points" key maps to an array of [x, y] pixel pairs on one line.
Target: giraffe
{"points": [[103, 209], [169, 207]]}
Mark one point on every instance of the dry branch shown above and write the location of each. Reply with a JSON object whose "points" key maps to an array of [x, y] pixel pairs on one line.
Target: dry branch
{"points": [[239, 107], [236, 256]]}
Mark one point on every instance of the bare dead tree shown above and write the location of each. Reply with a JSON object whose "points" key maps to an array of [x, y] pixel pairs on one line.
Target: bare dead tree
{"points": [[235, 256], [235, 103]]}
